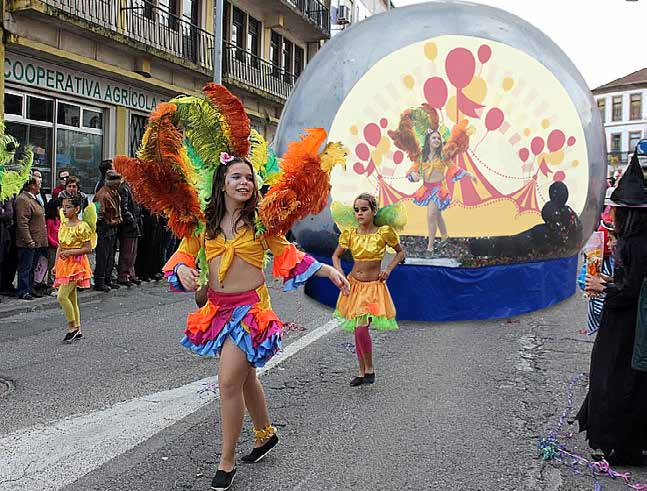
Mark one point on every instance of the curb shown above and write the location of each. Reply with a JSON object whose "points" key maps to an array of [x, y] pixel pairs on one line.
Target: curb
{"points": [[15, 306]]}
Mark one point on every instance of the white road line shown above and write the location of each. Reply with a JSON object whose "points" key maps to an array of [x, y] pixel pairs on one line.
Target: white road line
{"points": [[54, 455]]}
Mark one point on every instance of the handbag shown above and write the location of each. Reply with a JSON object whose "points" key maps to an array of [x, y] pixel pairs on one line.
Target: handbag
{"points": [[639, 358]]}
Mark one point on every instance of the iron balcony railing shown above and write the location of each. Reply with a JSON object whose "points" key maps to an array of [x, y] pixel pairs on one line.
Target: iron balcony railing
{"points": [[244, 66], [618, 158], [315, 11]]}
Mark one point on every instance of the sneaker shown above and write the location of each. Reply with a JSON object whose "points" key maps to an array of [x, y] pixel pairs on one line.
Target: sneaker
{"points": [[26, 296], [125, 283], [113, 286], [223, 480], [36, 294], [136, 281], [357, 381], [369, 378], [101, 288], [258, 453], [70, 336]]}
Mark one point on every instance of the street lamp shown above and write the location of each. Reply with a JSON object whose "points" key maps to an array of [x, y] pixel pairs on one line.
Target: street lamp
{"points": [[217, 41]]}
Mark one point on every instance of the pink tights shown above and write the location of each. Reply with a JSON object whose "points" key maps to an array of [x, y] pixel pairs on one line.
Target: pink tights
{"points": [[363, 343]]}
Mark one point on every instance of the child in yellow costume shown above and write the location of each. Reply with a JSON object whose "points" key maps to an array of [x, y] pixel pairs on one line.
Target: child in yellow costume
{"points": [[369, 302], [72, 268]]}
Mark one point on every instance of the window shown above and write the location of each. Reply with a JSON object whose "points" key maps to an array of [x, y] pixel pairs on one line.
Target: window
{"points": [[298, 61], [69, 115], [39, 109], [253, 36], [634, 138], [13, 104], [616, 142], [616, 114], [635, 106], [92, 119], [602, 108], [225, 21], [275, 53], [287, 60], [136, 133], [238, 28]]}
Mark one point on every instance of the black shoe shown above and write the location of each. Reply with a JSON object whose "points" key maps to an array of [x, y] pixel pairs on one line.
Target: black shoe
{"points": [[26, 296], [223, 480], [136, 281], [36, 294], [101, 288], [357, 381], [113, 286], [258, 453], [71, 336], [125, 283], [144, 278], [158, 276], [369, 378]]}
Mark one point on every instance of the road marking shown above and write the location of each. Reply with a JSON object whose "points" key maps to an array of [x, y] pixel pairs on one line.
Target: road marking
{"points": [[54, 455]]}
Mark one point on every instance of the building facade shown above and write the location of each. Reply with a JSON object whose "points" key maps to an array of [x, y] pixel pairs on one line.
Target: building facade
{"points": [[624, 115], [81, 76], [345, 13]]}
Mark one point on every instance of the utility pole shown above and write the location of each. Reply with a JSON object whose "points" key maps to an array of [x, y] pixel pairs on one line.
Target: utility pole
{"points": [[217, 41]]}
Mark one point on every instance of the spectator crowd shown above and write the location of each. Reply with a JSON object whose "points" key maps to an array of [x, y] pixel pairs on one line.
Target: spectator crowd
{"points": [[140, 241]]}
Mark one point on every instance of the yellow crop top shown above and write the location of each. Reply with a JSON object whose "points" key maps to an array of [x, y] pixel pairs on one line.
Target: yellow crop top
{"points": [[246, 245], [74, 237], [369, 247]]}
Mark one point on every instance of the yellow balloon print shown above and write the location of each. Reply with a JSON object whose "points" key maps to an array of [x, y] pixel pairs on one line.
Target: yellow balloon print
{"points": [[431, 51], [409, 82], [508, 83]]}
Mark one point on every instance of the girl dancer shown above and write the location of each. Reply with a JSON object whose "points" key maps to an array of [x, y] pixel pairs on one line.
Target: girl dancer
{"points": [[369, 302]]}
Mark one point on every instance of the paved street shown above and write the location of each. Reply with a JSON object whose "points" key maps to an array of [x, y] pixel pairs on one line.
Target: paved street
{"points": [[455, 406]]}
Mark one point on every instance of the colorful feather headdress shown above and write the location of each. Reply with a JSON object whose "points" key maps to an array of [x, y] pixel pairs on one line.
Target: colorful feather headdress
{"points": [[173, 171], [12, 180], [394, 215]]}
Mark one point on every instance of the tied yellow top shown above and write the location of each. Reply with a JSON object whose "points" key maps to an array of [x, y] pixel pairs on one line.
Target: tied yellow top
{"points": [[74, 237], [427, 168], [246, 245], [369, 247]]}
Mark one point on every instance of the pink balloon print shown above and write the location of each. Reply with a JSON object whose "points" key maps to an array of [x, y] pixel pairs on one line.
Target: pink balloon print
{"points": [[524, 154], [362, 151], [571, 141], [494, 119], [384, 123], [484, 53], [359, 168], [372, 134], [435, 90], [460, 65], [559, 176], [537, 145], [397, 157], [556, 140]]}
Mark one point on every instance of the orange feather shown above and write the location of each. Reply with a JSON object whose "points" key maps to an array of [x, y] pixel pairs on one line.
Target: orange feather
{"points": [[234, 115]]}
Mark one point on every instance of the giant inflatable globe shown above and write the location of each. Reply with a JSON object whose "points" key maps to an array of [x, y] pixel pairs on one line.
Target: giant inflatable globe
{"points": [[499, 205]]}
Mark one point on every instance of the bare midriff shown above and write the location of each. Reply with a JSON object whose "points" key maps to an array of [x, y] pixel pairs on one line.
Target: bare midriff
{"points": [[366, 270], [241, 276]]}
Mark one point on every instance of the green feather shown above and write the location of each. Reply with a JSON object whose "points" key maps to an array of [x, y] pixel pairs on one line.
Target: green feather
{"points": [[12, 181], [394, 215], [203, 171], [343, 215]]}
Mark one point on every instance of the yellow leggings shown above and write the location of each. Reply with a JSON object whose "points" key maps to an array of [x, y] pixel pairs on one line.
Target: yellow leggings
{"points": [[67, 298]]}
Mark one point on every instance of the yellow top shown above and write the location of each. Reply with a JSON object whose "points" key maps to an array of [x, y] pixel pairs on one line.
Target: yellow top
{"points": [[74, 237], [369, 247], [436, 165], [246, 245]]}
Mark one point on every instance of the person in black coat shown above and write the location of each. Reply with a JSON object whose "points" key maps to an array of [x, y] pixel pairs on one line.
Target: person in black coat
{"points": [[129, 232], [614, 412]]}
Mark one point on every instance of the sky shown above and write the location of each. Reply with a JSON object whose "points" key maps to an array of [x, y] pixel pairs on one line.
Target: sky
{"points": [[606, 39]]}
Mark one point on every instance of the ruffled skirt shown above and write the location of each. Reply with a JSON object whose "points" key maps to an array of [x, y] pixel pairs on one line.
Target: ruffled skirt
{"points": [[369, 301], [72, 268], [432, 191], [246, 317]]}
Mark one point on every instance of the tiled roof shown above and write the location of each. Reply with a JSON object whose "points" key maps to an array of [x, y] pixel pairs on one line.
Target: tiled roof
{"points": [[638, 78]]}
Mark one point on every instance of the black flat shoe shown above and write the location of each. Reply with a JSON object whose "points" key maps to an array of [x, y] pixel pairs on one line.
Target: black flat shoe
{"points": [[71, 336], [257, 454], [357, 381], [223, 480], [369, 378]]}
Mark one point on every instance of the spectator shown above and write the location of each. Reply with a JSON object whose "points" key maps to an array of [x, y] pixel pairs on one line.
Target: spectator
{"points": [[41, 197], [9, 262], [53, 222], [62, 179], [72, 189], [6, 224], [109, 218], [31, 237], [129, 232], [104, 167]]}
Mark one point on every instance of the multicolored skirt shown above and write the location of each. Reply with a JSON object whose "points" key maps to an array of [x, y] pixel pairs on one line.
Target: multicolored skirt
{"points": [[246, 317], [72, 269], [432, 191], [368, 302]]}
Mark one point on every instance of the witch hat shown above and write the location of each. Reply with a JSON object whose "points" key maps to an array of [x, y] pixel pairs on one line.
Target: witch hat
{"points": [[630, 190]]}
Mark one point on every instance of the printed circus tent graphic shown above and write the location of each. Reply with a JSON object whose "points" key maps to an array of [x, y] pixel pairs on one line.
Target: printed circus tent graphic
{"points": [[523, 133]]}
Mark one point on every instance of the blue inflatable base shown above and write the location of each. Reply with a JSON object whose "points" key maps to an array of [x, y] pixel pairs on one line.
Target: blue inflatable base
{"points": [[433, 293]]}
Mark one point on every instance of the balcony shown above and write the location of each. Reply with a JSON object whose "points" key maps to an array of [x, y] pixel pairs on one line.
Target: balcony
{"points": [[616, 159], [315, 11], [244, 67], [156, 30]]}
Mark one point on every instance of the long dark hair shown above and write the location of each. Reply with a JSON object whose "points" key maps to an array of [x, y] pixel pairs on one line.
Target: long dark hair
{"points": [[426, 147], [215, 210]]}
